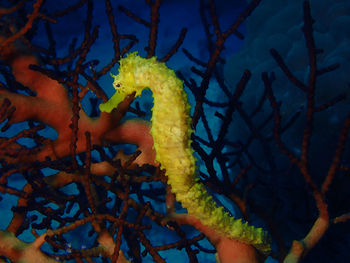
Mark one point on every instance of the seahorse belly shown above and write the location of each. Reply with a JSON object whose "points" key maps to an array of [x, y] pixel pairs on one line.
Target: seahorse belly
{"points": [[171, 131]]}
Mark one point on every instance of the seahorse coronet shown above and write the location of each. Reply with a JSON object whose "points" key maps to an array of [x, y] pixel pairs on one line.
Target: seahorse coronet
{"points": [[171, 131]]}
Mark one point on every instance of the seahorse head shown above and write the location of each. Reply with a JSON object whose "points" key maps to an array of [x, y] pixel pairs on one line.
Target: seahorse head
{"points": [[132, 77], [127, 81]]}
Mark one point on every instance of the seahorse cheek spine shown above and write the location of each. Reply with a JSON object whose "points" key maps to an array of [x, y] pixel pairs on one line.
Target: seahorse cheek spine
{"points": [[171, 131]]}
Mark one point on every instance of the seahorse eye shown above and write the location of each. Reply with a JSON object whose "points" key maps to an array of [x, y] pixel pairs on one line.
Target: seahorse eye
{"points": [[117, 85]]}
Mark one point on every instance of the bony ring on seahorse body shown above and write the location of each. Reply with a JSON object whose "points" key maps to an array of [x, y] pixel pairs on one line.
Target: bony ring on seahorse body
{"points": [[171, 132]]}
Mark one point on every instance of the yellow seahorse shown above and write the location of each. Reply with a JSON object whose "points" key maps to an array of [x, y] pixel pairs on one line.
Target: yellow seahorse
{"points": [[171, 132]]}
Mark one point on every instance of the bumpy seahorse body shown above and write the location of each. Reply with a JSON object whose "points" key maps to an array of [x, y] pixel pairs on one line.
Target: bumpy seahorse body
{"points": [[171, 131]]}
